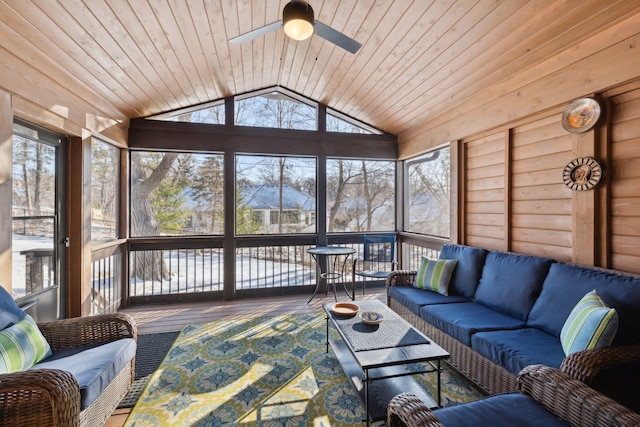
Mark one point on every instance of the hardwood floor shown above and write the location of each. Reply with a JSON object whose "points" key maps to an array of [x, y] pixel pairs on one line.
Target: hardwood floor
{"points": [[173, 317]]}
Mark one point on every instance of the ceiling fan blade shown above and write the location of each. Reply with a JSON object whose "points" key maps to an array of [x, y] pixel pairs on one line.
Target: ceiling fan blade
{"points": [[258, 32], [336, 37]]}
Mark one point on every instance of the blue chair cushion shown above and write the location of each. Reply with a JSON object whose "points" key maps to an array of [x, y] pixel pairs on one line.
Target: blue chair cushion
{"points": [[414, 298], [10, 313], [511, 283], [566, 284], [466, 275], [93, 366], [513, 350], [461, 320], [513, 409]]}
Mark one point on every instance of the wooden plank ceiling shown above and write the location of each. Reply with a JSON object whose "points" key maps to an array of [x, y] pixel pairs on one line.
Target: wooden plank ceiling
{"points": [[136, 58]]}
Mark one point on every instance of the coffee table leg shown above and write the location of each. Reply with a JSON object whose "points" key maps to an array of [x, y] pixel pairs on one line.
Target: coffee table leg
{"points": [[439, 391], [327, 343], [366, 395]]}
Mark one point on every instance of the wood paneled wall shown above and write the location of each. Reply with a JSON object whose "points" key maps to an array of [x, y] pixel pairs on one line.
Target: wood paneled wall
{"points": [[514, 199], [541, 221], [625, 181], [485, 183]]}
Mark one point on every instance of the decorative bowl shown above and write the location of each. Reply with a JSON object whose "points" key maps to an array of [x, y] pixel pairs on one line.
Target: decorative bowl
{"points": [[345, 309], [371, 317]]}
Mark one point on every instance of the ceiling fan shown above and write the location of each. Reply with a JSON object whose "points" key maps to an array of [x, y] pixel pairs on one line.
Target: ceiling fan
{"points": [[299, 22]]}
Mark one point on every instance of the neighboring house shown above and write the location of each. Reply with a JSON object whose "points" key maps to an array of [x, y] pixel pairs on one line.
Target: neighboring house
{"points": [[298, 208]]}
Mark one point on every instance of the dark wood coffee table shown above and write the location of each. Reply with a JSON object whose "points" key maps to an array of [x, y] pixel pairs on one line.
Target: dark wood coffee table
{"points": [[376, 358]]}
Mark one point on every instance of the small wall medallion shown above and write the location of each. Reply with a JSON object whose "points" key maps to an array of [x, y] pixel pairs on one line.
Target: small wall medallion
{"points": [[581, 115], [582, 173]]}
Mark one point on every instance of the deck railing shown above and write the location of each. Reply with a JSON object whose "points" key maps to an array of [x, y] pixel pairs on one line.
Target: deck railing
{"points": [[169, 269]]}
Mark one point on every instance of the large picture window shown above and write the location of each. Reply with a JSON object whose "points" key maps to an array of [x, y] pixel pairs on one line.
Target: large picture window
{"points": [[105, 181], [275, 195], [427, 205], [176, 194], [360, 195]]}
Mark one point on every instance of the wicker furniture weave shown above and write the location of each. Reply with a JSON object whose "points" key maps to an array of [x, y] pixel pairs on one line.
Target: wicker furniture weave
{"points": [[492, 378], [569, 399], [51, 397]]}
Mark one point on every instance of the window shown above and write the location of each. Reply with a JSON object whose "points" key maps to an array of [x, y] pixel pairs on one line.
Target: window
{"points": [[335, 123], [34, 214], [427, 201], [105, 181], [360, 195], [176, 194], [275, 110], [212, 113], [282, 188]]}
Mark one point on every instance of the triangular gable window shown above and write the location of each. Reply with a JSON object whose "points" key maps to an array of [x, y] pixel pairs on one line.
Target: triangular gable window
{"points": [[274, 109], [213, 114], [335, 123]]}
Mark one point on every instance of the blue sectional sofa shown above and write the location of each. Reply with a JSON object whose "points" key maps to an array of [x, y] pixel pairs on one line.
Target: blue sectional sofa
{"points": [[505, 311], [70, 372]]}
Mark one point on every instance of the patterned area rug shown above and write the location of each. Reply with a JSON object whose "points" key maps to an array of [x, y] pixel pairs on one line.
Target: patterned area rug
{"points": [[270, 371]]}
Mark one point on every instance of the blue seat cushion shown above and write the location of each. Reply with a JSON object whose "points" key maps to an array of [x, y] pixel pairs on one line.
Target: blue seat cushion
{"points": [[10, 313], [461, 320], [511, 283], [466, 275], [414, 298], [566, 284], [93, 366], [513, 350], [513, 409]]}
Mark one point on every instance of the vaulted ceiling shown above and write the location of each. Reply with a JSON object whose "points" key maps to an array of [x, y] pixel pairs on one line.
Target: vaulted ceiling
{"points": [[419, 59]]}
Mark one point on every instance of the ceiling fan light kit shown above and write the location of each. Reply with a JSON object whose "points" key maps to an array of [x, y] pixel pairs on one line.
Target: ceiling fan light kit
{"points": [[297, 19], [299, 24]]}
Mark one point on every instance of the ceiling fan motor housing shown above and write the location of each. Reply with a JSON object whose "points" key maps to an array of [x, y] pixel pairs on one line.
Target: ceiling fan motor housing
{"points": [[298, 20]]}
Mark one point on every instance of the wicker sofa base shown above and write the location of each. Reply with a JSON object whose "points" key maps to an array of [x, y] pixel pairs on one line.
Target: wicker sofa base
{"points": [[487, 375], [97, 414]]}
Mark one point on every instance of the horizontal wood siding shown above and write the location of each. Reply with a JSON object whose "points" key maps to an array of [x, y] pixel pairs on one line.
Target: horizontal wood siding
{"points": [[485, 192], [541, 203], [625, 181]]}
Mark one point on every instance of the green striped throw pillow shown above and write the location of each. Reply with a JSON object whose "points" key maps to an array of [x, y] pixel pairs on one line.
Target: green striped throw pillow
{"points": [[22, 346], [591, 324], [435, 274]]}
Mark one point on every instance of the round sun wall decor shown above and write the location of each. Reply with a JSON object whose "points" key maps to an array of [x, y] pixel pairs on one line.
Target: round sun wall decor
{"points": [[583, 173]]}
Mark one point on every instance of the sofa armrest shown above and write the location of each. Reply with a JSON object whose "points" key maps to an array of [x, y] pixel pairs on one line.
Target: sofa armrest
{"points": [[585, 365], [401, 278], [406, 409], [572, 400], [39, 397], [81, 331]]}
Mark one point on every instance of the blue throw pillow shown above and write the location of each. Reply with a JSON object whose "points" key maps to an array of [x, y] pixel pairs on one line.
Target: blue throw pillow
{"points": [[10, 313], [435, 275], [466, 275], [22, 346], [590, 325]]}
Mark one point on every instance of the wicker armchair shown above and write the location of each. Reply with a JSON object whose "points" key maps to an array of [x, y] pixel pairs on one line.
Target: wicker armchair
{"points": [[51, 397], [567, 398]]}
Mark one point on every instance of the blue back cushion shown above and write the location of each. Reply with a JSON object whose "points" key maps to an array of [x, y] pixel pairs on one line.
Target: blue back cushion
{"points": [[466, 275], [10, 313], [566, 284], [511, 283]]}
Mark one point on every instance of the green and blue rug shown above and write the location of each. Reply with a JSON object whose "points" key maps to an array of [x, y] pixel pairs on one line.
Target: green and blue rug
{"points": [[270, 371]]}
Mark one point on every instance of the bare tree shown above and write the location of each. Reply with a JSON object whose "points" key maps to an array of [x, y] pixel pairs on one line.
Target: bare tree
{"points": [[147, 265]]}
